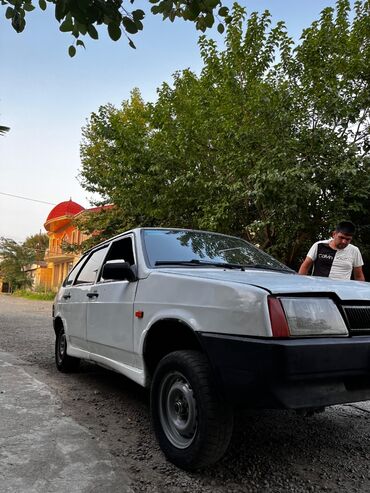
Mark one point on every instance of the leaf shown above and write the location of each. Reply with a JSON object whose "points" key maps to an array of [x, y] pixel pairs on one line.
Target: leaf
{"points": [[223, 11], [156, 9], [66, 25], [129, 25], [72, 51], [138, 15], [9, 13], [93, 33], [42, 4], [60, 9], [114, 31], [221, 28], [18, 21], [139, 25], [81, 28], [209, 20], [28, 7], [131, 43], [79, 42], [201, 25]]}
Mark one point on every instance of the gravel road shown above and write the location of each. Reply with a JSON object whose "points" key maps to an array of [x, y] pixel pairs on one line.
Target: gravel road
{"points": [[271, 451]]}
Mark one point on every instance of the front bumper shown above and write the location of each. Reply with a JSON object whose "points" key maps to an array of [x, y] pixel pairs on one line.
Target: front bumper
{"points": [[290, 373]]}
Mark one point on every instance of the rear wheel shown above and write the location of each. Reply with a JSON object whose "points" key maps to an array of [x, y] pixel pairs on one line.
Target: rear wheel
{"points": [[192, 424], [64, 362]]}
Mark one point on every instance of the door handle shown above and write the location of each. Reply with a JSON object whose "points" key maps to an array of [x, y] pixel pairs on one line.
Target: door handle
{"points": [[66, 296], [92, 295]]}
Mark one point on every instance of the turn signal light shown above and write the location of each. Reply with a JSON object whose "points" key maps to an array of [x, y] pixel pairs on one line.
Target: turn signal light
{"points": [[279, 324]]}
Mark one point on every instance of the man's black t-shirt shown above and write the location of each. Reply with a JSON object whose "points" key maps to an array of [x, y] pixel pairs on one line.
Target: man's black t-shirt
{"points": [[324, 260]]}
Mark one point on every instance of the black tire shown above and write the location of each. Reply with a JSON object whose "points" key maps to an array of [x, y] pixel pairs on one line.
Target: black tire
{"points": [[193, 425], [64, 363]]}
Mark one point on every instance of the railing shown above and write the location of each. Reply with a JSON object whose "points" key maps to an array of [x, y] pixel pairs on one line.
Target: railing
{"points": [[56, 251], [53, 251]]}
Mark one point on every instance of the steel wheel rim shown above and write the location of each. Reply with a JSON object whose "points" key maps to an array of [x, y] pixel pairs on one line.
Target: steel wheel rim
{"points": [[178, 410]]}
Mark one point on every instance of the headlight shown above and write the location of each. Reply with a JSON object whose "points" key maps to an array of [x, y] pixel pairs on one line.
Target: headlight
{"points": [[313, 317]]}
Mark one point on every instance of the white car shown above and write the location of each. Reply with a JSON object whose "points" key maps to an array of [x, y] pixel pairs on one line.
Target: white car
{"points": [[209, 322]]}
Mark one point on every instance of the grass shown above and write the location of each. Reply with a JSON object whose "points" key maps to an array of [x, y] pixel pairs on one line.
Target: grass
{"points": [[35, 295]]}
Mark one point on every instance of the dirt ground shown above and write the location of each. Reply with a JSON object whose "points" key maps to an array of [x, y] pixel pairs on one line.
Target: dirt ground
{"points": [[271, 451]]}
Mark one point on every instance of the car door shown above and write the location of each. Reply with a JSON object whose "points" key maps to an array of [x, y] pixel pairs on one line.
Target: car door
{"points": [[76, 296], [110, 312]]}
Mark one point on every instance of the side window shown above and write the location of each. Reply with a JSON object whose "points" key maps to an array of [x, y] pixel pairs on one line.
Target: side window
{"points": [[88, 272], [122, 250], [73, 273]]}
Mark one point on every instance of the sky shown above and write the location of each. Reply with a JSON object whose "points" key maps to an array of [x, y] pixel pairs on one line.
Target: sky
{"points": [[46, 97]]}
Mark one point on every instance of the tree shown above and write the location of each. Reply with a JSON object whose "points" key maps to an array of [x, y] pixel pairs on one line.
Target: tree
{"points": [[82, 17], [37, 245], [114, 136], [270, 142], [15, 257]]}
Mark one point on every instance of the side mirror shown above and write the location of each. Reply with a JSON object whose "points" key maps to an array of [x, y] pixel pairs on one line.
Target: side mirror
{"points": [[118, 270]]}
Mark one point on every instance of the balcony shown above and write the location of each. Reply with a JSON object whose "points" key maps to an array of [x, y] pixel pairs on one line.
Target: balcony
{"points": [[56, 254]]}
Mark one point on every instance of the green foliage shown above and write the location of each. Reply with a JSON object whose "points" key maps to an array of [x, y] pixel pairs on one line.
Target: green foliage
{"points": [[13, 261], [15, 257], [36, 246], [81, 17], [35, 295], [270, 142]]}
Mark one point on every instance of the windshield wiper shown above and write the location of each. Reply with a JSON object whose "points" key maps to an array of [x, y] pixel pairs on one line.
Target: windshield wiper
{"points": [[225, 265], [268, 267], [195, 262]]}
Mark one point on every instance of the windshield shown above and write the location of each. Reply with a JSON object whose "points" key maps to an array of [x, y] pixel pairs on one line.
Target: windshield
{"points": [[197, 248]]}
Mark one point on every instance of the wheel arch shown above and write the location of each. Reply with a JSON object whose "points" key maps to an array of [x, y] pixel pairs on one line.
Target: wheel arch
{"points": [[57, 325], [165, 336]]}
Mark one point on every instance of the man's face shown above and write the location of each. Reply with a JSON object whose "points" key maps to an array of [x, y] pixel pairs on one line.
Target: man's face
{"points": [[341, 240]]}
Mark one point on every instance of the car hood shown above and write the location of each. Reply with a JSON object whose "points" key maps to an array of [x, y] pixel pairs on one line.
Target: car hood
{"points": [[280, 283]]}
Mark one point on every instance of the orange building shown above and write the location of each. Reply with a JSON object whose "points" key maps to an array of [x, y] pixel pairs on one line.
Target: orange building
{"points": [[61, 231], [49, 274]]}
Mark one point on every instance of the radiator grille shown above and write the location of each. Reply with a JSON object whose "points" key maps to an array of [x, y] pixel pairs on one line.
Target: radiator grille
{"points": [[358, 319]]}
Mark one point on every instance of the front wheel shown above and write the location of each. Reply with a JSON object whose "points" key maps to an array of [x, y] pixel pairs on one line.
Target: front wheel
{"points": [[64, 362], [192, 424]]}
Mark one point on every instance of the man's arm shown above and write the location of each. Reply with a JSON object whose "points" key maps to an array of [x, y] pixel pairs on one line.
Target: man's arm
{"points": [[306, 266], [358, 274]]}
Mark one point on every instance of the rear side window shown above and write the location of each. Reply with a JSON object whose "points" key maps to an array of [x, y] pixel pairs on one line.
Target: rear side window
{"points": [[88, 273], [72, 275]]}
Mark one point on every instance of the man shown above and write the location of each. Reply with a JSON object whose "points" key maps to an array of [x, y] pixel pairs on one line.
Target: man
{"points": [[335, 258]]}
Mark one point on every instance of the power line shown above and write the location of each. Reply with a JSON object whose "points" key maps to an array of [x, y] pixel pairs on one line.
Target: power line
{"points": [[26, 198]]}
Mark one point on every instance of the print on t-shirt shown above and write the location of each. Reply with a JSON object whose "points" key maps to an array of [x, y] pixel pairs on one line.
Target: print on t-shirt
{"points": [[324, 260]]}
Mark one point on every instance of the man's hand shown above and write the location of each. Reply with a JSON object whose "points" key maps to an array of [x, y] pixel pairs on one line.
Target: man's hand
{"points": [[358, 274], [305, 267]]}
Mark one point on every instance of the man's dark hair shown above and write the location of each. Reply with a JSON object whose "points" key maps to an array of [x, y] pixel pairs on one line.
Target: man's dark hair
{"points": [[346, 227]]}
